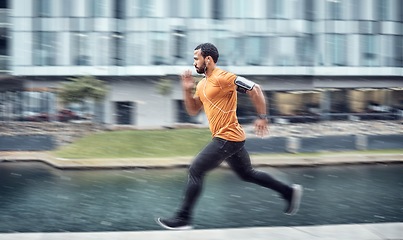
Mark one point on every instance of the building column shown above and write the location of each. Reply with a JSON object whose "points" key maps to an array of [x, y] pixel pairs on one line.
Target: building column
{"points": [[325, 103], [52, 106]]}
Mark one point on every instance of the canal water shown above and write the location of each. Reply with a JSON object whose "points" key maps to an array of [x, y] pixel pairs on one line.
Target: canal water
{"points": [[37, 198]]}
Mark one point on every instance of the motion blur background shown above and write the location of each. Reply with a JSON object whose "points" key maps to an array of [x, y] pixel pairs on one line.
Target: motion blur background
{"points": [[335, 62], [315, 59]]}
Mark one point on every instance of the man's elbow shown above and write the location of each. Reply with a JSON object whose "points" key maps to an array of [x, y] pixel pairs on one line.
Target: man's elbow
{"points": [[192, 112], [255, 90]]}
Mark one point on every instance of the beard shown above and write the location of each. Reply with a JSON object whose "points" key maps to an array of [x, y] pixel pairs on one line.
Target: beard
{"points": [[200, 70]]}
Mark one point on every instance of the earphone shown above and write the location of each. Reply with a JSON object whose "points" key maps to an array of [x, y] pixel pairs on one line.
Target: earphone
{"points": [[205, 68]]}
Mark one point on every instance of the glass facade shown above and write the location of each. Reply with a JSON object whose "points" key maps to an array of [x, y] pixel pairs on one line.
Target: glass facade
{"points": [[336, 50], [288, 39], [334, 104], [45, 45], [26, 106], [249, 33], [369, 50]]}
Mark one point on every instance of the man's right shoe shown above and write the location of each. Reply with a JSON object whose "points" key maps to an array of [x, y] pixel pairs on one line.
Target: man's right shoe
{"points": [[295, 200], [174, 223]]}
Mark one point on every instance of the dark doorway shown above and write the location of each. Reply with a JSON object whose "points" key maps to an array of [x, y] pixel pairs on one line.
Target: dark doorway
{"points": [[124, 112], [3, 4], [183, 116]]}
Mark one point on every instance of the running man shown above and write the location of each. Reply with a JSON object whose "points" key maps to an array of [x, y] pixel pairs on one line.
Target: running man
{"points": [[217, 94]]}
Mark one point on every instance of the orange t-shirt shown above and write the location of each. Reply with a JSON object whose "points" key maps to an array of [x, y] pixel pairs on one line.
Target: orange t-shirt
{"points": [[219, 97]]}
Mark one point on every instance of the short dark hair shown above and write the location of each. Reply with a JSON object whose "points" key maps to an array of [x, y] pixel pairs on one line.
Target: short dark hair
{"points": [[208, 49]]}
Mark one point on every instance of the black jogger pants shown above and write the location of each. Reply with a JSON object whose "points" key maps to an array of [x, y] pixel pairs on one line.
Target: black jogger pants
{"points": [[235, 154]]}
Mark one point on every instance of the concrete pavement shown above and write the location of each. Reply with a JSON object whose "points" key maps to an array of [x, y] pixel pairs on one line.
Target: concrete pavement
{"points": [[380, 231], [257, 160]]}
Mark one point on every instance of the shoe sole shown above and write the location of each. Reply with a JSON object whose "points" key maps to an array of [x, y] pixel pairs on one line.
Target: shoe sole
{"points": [[187, 227], [296, 199]]}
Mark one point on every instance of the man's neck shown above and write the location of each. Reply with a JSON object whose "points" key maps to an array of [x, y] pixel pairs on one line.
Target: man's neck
{"points": [[210, 71]]}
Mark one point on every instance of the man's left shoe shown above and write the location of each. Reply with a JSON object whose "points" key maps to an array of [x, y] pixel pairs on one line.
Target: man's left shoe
{"points": [[174, 223], [295, 200]]}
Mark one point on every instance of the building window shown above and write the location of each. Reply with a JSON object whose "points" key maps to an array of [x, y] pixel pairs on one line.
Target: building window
{"points": [[145, 8], [132, 8], [399, 51], [135, 50], [139, 8], [256, 51], [100, 8], [102, 49], [355, 10], [306, 50], [237, 9], [159, 49], [221, 42], [369, 51], [285, 51], [309, 10], [118, 51], [236, 51], [66, 8], [295, 103], [45, 48], [276, 9], [173, 8], [382, 10], [388, 48], [120, 8], [399, 10], [334, 9], [196, 9], [179, 44], [80, 48], [217, 11], [336, 49], [43, 8]]}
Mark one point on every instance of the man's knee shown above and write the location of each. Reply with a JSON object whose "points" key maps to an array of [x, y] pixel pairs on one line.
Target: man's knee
{"points": [[194, 173], [247, 175]]}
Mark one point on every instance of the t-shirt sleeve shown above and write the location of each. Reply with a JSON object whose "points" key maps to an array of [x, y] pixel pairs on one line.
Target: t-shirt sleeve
{"points": [[227, 80]]}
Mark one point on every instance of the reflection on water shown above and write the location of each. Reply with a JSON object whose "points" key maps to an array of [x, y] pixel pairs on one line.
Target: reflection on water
{"points": [[38, 198]]}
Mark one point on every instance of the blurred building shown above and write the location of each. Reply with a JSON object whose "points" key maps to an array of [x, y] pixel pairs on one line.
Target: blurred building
{"points": [[315, 59]]}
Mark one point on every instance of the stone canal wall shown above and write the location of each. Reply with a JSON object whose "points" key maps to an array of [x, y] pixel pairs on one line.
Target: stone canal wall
{"points": [[32, 136], [313, 137], [328, 136], [336, 143]]}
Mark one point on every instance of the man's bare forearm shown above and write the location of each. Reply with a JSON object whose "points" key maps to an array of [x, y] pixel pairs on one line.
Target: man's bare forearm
{"points": [[192, 105], [258, 99]]}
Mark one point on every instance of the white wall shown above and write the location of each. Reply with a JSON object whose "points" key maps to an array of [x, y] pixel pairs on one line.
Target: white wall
{"points": [[151, 109]]}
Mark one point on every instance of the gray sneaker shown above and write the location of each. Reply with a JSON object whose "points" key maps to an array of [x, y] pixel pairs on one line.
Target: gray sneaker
{"points": [[295, 200]]}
